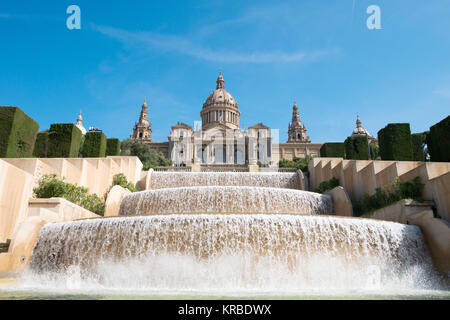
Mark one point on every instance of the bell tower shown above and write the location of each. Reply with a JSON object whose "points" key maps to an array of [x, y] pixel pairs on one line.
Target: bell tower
{"points": [[142, 130], [297, 130]]}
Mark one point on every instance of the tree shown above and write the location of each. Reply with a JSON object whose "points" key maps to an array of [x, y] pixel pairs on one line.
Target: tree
{"points": [[149, 157], [298, 163]]}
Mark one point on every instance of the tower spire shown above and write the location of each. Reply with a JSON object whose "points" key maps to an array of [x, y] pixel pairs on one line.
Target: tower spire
{"points": [[358, 121], [79, 124], [297, 130], [143, 119], [295, 116], [143, 129], [220, 81]]}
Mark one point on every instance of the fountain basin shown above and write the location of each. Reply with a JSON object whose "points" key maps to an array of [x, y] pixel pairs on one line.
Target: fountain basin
{"points": [[225, 200]]}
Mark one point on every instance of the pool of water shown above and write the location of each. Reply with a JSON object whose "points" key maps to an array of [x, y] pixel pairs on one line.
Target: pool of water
{"points": [[11, 289], [13, 294]]}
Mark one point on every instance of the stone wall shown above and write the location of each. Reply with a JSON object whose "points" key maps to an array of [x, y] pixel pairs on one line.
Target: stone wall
{"points": [[18, 177], [96, 174], [359, 177], [291, 150], [16, 187], [40, 212], [400, 211], [57, 210]]}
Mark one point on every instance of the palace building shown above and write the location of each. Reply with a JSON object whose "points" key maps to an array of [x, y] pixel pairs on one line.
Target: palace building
{"points": [[219, 139]]}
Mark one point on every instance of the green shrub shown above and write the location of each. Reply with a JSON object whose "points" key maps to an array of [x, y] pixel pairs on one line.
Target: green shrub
{"points": [[285, 163], [374, 151], [149, 157], [383, 198], [94, 145], [361, 147], [52, 187], [64, 140], [17, 133], [349, 151], [112, 147], [121, 180], [327, 185], [356, 148], [297, 163], [395, 142], [41, 145], [438, 141], [418, 143], [332, 150]]}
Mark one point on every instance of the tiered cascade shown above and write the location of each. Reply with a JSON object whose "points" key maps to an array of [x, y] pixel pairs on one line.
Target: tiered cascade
{"points": [[256, 249]]}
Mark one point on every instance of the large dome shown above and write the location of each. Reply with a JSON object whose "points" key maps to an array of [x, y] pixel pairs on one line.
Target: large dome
{"points": [[359, 130], [220, 96], [220, 108]]}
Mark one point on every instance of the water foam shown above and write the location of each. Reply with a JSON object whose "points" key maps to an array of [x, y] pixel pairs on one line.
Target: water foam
{"points": [[219, 199], [239, 254], [162, 180]]}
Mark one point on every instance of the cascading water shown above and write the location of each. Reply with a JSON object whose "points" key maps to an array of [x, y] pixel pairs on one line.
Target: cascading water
{"points": [[231, 254], [218, 200], [229, 233], [162, 180]]}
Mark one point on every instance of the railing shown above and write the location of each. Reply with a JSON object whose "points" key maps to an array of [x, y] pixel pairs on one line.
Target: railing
{"points": [[221, 168], [173, 169], [224, 168]]}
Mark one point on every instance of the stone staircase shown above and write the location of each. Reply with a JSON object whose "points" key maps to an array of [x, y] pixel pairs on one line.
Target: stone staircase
{"points": [[359, 177]]}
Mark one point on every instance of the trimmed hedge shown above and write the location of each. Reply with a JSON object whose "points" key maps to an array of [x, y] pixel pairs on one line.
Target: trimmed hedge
{"points": [[374, 151], [395, 142], [438, 141], [418, 140], [41, 145], [64, 141], [349, 152], [17, 133], [356, 148], [112, 147], [332, 150], [94, 145]]}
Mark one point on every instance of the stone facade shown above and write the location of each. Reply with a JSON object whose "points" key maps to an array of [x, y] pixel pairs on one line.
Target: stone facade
{"points": [[291, 150], [219, 139]]}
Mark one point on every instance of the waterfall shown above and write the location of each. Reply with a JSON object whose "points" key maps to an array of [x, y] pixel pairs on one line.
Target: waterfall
{"points": [[231, 253], [217, 200], [162, 180]]}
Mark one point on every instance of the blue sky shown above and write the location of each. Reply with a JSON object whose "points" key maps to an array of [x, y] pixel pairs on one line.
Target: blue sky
{"points": [[319, 53]]}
